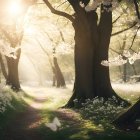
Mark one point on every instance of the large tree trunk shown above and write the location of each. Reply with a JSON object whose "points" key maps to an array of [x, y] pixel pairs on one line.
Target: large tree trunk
{"points": [[103, 86], [86, 36], [91, 47], [101, 73], [58, 74], [124, 73], [13, 76]]}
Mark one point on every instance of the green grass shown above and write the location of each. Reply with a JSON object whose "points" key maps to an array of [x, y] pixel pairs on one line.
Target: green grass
{"points": [[85, 129], [77, 127], [18, 106]]}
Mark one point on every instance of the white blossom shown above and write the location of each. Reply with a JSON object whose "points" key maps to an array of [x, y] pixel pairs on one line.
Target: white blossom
{"points": [[117, 61], [122, 59], [5, 49], [95, 3], [126, 53]]}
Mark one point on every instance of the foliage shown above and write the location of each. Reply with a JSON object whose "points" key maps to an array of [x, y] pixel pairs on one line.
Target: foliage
{"points": [[121, 60], [98, 109], [7, 96], [11, 104], [5, 100]]}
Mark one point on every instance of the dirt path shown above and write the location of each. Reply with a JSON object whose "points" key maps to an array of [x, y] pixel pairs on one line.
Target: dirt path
{"points": [[26, 125]]}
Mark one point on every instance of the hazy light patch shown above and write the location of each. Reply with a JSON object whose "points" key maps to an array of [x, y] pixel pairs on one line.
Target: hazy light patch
{"points": [[46, 97], [29, 31], [34, 66], [130, 92], [127, 87], [41, 35], [26, 70], [14, 8]]}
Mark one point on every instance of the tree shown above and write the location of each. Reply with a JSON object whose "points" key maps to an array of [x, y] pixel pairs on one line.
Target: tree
{"points": [[12, 34], [91, 47], [129, 116], [125, 54], [58, 78], [58, 74]]}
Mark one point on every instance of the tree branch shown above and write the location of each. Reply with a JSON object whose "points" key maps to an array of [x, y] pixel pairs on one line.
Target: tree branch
{"points": [[119, 32], [45, 52], [119, 16], [134, 37], [116, 19], [57, 12], [61, 4], [137, 8]]}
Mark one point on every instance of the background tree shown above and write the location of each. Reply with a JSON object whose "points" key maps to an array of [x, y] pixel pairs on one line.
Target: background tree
{"points": [[58, 78], [11, 28]]}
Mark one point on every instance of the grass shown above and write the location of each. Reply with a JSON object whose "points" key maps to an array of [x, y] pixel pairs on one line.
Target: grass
{"points": [[18, 106], [85, 130], [78, 127], [75, 126]]}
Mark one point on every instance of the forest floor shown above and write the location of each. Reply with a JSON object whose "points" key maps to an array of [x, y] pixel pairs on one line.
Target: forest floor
{"points": [[43, 105]]}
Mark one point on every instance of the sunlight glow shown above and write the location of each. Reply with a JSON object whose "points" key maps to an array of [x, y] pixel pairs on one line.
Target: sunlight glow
{"points": [[29, 31], [15, 8]]}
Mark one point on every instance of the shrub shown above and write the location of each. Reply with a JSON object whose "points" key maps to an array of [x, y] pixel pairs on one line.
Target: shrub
{"points": [[98, 109]]}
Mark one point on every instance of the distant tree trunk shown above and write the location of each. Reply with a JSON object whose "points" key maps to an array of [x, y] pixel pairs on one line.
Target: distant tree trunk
{"points": [[13, 76], [4, 72], [54, 77], [129, 116], [124, 73], [58, 74], [91, 47]]}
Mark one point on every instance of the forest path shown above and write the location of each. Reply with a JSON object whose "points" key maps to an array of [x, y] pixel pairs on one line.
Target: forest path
{"points": [[26, 125], [43, 106]]}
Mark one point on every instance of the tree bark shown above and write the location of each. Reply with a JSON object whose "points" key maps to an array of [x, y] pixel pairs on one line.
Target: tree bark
{"points": [[129, 116], [58, 74], [13, 76], [91, 47], [4, 72], [86, 38], [101, 73], [54, 77], [124, 73]]}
